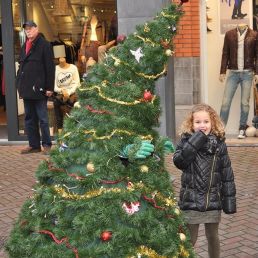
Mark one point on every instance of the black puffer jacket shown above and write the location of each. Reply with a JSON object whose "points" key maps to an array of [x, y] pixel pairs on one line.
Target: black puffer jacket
{"points": [[36, 70], [207, 182]]}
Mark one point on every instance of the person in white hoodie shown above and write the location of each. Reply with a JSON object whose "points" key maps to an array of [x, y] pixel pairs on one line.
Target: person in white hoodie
{"points": [[67, 80]]}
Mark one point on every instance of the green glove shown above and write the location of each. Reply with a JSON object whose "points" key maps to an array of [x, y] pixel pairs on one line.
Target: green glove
{"points": [[168, 147], [144, 151]]}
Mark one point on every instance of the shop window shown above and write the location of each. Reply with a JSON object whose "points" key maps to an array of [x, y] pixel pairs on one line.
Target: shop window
{"points": [[87, 29]]}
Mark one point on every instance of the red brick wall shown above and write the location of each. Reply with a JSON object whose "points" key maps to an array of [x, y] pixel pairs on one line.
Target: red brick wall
{"points": [[187, 40]]}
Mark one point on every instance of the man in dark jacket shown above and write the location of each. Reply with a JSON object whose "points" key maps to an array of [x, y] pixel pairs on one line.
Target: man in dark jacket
{"points": [[35, 82]]}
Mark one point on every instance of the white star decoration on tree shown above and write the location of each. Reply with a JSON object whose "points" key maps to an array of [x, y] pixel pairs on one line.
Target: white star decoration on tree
{"points": [[137, 54]]}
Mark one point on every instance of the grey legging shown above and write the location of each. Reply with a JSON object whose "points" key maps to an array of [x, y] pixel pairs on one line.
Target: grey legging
{"points": [[211, 232]]}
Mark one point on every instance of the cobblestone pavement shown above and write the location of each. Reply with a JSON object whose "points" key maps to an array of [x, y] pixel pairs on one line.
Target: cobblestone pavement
{"points": [[238, 232]]}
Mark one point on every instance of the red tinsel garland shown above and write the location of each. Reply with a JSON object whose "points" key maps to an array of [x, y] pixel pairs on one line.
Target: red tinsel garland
{"points": [[92, 110], [51, 168], [64, 239], [110, 182], [151, 200]]}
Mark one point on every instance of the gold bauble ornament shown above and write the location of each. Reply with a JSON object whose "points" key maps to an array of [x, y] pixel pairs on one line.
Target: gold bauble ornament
{"points": [[168, 52], [182, 236], [90, 167], [77, 104], [144, 169], [177, 211]]}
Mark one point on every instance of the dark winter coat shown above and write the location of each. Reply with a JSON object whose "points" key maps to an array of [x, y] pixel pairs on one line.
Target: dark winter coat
{"points": [[207, 182], [229, 53], [36, 70]]}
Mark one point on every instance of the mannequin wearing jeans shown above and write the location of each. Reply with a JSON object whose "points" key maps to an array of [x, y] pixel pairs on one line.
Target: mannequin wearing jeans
{"points": [[240, 52], [237, 13]]}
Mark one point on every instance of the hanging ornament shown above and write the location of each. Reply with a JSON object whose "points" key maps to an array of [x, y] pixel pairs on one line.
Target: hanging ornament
{"points": [[117, 62], [173, 28], [63, 147], [106, 235], [120, 38], [168, 52], [182, 236], [146, 27], [90, 167], [131, 208], [177, 211], [130, 185], [165, 43], [77, 104], [144, 169], [147, 95], [137, 54]]}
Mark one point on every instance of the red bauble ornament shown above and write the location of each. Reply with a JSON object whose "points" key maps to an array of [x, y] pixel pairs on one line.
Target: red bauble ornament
{"points": [[120, 38], [106, 235], [147, 95]]}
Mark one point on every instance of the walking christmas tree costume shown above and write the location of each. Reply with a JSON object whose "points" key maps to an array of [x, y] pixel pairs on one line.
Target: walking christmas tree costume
{"points": [[104, 191]]}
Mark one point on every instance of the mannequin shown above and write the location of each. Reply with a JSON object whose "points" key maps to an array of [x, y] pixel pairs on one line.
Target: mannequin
{"points": [[95, 37], [237, 13], [239, 56], [103, 49], [93, 25], [67, 80]]}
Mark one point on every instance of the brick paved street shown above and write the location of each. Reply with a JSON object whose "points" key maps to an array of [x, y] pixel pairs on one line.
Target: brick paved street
{"points": [[238, 233]]}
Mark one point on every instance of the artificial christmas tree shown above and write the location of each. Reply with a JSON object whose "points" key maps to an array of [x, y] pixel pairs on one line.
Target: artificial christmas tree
{"points": [[104, 191]]}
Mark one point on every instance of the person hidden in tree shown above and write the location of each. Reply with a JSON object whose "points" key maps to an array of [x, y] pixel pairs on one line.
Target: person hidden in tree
{"points": [[207, 181]]}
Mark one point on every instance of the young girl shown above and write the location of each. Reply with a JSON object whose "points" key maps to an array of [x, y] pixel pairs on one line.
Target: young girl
{"points": [[207, 181]]}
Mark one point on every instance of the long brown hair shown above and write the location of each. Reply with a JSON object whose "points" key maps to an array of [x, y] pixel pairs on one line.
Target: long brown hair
{"points": [[217, 127]]}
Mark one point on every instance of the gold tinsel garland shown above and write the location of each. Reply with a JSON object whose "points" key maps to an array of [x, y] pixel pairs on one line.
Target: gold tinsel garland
{"points": [[147, 40], [168, 15], [88, 195], [116, 131], [117, 60], [144, 250], [115, 100], [94, 193]]}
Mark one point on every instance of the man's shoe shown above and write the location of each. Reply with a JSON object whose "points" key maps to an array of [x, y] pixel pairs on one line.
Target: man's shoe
{"points": [[241, 15], [241, 134], [28, 150], [46, 150], [234, 17]]}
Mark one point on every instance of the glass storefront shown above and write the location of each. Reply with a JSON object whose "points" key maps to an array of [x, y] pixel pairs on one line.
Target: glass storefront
{"points": [[80, 26]]}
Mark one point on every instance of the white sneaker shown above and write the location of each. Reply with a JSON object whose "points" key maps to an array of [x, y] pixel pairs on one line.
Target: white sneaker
{"points": [[241, 134]]}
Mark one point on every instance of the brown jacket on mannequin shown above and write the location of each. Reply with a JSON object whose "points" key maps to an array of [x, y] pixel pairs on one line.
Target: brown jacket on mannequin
{"points": [[229, 53]]}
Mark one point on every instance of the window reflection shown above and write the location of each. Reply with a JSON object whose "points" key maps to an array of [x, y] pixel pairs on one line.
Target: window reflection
{"points": [[86, 28]]}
